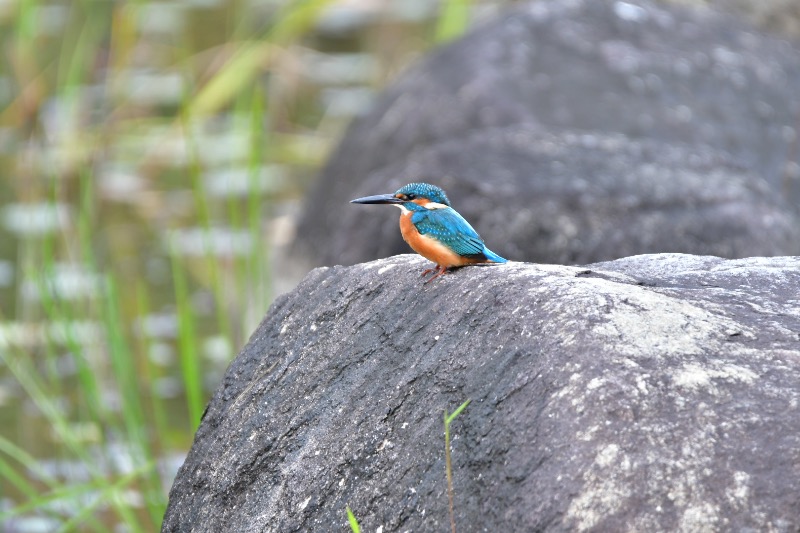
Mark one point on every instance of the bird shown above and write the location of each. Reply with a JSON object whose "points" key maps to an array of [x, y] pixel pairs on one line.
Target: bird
{"points": [[434, 229]]}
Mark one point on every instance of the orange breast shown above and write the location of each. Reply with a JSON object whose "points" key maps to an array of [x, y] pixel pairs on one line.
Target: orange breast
{"points": [[430, 248]]}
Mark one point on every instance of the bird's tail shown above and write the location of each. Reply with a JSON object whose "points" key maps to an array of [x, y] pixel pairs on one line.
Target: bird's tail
{"points": [[493, 257]]}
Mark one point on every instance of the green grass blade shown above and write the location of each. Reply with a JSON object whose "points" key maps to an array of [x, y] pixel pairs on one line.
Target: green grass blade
{"points": [[21, 483], [212, 260], [88, 375], [295, 19], [125, 372], [453, 20], [351, 518], [112, 493], [250, 59], [187, 343], [254, 56], [156, 501], [257, 265], [27, 376], [449, 419], [447, 461], [28, 461]]}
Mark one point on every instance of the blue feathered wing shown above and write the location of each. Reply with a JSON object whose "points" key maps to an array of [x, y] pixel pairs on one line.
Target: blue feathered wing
{"points": [[448, 227]]}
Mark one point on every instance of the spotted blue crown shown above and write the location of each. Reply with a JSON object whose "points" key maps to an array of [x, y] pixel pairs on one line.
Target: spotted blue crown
{"points": [[425, 190]]}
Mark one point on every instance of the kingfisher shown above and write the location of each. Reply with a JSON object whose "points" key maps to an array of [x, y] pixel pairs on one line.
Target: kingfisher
{"points": [[434, 229]]}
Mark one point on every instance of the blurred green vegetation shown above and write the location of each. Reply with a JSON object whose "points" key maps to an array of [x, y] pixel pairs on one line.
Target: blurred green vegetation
{"points": [[151, 156]]}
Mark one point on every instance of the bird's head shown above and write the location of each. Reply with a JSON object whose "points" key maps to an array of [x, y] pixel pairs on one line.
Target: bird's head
{"points": [[411, 197]]}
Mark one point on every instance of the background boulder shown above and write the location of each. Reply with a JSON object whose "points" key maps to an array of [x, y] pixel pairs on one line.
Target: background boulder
{"points": [[654, 393], [688, 83], [576, 198]]}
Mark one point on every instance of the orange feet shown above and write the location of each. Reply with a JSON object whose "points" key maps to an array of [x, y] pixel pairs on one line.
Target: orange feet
{"points": [[439, 271]]}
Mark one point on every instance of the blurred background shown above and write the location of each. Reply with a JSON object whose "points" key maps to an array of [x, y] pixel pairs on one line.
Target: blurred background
{"points": [[153, 160]]}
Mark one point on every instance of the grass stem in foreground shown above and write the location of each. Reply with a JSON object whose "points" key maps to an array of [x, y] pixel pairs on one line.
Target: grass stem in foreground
{"points": [[353, 521], [448, 466]]}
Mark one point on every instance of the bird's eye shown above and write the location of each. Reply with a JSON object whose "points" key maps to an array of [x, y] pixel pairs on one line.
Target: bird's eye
{"points": [[411, 196]]}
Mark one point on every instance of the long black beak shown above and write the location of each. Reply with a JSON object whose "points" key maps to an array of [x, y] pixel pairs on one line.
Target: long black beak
{"points": [[379, 199]]}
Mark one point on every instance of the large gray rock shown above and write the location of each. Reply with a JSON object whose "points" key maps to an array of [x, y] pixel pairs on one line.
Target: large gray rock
{"points": [[579, 198], [776, 16], [653, 393], [673, 76]]}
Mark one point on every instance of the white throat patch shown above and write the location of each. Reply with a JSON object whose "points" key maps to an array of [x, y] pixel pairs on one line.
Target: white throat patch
{"points": [[429, 205]]}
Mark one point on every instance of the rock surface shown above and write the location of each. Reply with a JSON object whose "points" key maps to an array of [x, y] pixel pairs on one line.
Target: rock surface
{"points": [[652, 393], [690, 83]]}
